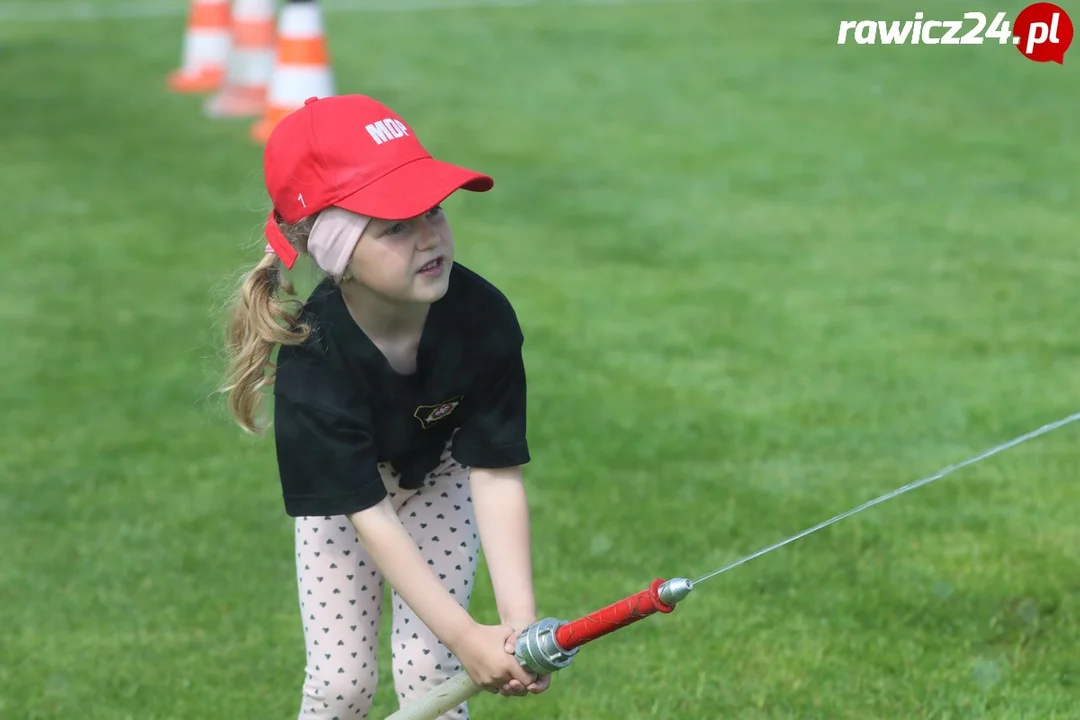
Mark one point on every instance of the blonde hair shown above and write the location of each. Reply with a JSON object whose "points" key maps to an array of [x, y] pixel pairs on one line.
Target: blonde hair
{"points": [[258, 321]]}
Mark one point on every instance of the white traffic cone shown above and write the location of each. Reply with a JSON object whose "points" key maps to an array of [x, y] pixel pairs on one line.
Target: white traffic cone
{"points": [[301, 66], [251, 61], [205, 50]]}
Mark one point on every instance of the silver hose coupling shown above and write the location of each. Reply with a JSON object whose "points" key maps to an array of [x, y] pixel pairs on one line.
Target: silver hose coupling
{"points": [[538, 651]]}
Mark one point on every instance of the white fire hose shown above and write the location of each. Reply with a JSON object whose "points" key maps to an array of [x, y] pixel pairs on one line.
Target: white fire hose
{"points": [[550, 645]]}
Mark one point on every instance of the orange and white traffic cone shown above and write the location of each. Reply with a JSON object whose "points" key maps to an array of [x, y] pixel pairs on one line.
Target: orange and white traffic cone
{"points": [[251, 61], [205, 50], [301, 67]]}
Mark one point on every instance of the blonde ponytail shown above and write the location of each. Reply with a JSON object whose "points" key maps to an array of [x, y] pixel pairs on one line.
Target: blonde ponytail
{"points": [[258, 322]]}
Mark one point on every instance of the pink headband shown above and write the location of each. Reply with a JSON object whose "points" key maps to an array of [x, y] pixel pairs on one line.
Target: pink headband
{"points": [[331, 243]]}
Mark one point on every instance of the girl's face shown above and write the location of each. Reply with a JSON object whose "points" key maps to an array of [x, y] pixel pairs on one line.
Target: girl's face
{"points": [[405, 261]]}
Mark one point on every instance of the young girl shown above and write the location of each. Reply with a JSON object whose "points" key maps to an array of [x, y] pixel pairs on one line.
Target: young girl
{"points": [[399, 411]]}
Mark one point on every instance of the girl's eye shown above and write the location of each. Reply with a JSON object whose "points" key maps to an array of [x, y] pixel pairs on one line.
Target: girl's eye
{"points": [[401, 227]]}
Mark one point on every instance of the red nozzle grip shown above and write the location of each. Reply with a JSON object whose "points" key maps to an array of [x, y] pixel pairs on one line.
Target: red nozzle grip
{"points": [[629, 610]]}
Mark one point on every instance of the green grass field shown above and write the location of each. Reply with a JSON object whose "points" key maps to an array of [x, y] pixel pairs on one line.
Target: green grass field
{"points": [[763, 279]]}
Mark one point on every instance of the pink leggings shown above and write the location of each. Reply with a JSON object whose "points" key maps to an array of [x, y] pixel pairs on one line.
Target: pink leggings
{"points": [[341, 594]]}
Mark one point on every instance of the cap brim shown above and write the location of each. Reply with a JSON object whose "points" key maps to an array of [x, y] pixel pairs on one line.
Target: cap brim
{"points": [[413, 189]]}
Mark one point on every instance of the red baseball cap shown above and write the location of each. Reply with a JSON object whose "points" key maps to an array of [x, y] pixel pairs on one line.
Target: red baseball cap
{"points": [[353, 152]]}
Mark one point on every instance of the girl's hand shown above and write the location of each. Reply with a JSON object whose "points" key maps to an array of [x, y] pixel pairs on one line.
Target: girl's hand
{"points": [[514, 687], [489, 666]]}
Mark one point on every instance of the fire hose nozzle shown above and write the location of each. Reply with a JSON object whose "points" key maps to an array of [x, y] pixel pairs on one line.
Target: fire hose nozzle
{"points": [[538, 650], [550, 644], [674, 590]]}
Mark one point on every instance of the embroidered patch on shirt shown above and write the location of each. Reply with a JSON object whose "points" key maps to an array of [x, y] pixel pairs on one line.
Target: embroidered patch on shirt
{"points": [[428, 415]]}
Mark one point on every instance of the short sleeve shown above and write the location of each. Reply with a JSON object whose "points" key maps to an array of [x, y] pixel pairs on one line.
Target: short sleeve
{"points": [[327, 459], [494, 434]]}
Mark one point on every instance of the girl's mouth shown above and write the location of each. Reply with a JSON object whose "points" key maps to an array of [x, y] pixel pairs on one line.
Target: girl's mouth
{"points": [[432, 268]]}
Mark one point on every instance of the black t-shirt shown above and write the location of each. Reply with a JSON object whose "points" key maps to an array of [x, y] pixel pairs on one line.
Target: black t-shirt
{"points": [[340, 409]]}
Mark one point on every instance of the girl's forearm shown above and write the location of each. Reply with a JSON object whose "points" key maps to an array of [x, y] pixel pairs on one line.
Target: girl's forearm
{"points": [[502, 522], [395, 553]]}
